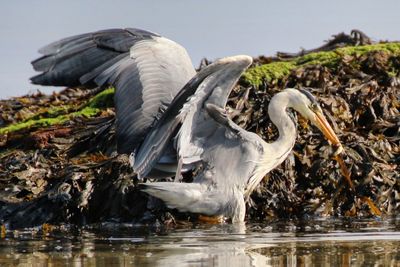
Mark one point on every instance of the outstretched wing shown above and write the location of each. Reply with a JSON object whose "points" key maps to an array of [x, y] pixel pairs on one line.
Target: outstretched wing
{"points": [[197, 124], [226, 155], [146, 69], [189, 114]]}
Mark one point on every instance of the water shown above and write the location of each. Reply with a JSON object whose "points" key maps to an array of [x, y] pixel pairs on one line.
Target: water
{"points": [[312, 243]]}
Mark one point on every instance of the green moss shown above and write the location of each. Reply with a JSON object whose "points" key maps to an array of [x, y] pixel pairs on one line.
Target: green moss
{"points": [[59, 115], [87, 112], [104, 99], [392, 48], [268, 72], [51, 112], [329, 59], [278, 70], [44, 122]]}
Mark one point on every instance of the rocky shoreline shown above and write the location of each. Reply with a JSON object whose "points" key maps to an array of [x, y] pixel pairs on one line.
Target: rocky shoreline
{"points": [[58, 160]]}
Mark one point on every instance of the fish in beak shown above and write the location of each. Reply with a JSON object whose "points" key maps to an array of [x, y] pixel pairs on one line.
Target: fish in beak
{"points": [[326, 129]]}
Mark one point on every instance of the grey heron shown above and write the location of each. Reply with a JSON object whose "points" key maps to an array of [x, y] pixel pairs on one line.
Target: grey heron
{"points": [[173, 119], [229, 160]]}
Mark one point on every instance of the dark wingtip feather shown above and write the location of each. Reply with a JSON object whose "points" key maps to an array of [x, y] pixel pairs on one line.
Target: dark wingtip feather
{"points": [[43, 63], [142, 186], [141, 32], [38, 79]]}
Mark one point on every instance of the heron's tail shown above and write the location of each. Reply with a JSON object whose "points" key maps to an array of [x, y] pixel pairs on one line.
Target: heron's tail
{"points": [[186, 197]]}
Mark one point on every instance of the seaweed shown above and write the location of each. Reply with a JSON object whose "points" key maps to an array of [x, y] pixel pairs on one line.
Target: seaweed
{"points": [[58, 160]]}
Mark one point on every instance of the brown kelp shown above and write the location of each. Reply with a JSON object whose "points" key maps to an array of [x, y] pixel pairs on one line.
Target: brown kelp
{"points": [[58, 160]]}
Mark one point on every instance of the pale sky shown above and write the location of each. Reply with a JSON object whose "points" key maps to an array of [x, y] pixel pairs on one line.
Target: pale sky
{"points": [[206, 28]]}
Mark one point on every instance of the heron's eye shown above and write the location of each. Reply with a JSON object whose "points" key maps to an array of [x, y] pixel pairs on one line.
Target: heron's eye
{"points": [[314, 106]]}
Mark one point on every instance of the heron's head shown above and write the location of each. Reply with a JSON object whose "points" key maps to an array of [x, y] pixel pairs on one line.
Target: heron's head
{"points": [[306, 104]]}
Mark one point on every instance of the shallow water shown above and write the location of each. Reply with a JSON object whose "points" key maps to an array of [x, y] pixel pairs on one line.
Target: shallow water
{"points": [[311, 243]]}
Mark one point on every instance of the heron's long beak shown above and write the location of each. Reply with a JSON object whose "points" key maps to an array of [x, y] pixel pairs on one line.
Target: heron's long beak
{"points": [[326, 129]]}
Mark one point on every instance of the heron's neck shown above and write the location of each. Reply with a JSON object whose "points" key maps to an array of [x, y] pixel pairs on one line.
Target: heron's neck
{"points": [[275, 153], [277, 110]]}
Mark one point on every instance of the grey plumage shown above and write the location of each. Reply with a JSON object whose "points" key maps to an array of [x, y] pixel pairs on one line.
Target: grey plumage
{"points": [[170, 116], [229, 160], [141, 65], [211, 85], [207, 139]]}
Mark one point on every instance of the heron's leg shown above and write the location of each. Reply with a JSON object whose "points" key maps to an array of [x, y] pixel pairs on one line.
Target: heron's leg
{"points": [[211, 219], [178, 176]]}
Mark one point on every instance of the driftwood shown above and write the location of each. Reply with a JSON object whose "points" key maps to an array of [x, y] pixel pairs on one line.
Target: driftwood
{"points": [[58, 160]]}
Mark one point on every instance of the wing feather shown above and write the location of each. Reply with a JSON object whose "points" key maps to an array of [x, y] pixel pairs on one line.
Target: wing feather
{"points": [[213, 141], [186, 106], [146, 69], [197, 126]]}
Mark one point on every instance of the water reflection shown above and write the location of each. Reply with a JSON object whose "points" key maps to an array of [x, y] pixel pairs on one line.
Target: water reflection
{"points": [[316, 243]]}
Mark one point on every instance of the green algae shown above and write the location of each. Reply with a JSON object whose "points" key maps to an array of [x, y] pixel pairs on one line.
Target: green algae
{"points": [[255, 76], [62, 114], [51, 112], [268, 72], [329, 59], [392, 48], [104, 99], [44, 122]]}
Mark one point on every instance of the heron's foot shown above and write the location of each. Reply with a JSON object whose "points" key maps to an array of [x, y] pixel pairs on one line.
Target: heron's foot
{"points": [[211, 219]]}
